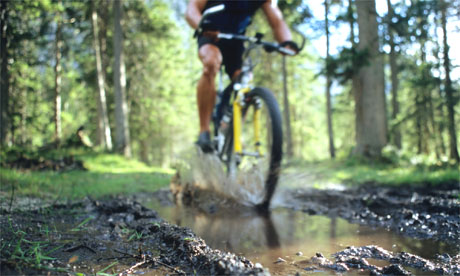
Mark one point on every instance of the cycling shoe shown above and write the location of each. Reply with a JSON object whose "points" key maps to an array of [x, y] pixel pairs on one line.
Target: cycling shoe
{"points": [[204, 142]]}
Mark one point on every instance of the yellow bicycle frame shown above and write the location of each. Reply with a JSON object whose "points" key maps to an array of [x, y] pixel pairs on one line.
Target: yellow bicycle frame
{"points": [[237, 120]]}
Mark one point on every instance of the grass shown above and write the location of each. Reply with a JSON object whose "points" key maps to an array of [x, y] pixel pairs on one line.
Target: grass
{"points": [[110, 174], [353, 172], [107, 174], [26, 253]]}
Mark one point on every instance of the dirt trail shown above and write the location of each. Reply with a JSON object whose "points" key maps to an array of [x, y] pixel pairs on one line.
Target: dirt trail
{"points": [[120, 236]]}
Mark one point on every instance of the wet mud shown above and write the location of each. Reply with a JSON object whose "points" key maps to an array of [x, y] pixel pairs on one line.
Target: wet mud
{"points": [[358, 258], [113, 236], [421, 212], [120, 236]]}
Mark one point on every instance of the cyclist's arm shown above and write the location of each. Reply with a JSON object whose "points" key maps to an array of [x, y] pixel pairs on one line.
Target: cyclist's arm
{"points": [[276, 21], [194, 13]]}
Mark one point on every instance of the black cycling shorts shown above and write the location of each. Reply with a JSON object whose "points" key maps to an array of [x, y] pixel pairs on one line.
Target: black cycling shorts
{"points": [[232, 52]]}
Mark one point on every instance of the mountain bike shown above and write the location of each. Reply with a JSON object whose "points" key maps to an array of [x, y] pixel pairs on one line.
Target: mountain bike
{"points": [[247, 119]]}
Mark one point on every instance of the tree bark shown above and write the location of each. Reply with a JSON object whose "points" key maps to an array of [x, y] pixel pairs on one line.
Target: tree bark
{"points": [[439, 108], [105, 137], [119, 74], [427, 107], [396, 132], [330, 130], [4, 76], [356, 85], [370, 101], [422, 107], [418, 124], [104, 19], [453, 150], [287, 116], [57, 82], [144, 150]]}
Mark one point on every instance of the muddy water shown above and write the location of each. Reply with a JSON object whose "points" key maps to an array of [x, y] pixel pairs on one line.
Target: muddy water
{"points": [[290, 235], [285, 239]]}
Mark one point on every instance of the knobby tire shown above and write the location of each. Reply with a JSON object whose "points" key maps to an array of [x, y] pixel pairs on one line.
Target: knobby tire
{"points": [[276, 152]]}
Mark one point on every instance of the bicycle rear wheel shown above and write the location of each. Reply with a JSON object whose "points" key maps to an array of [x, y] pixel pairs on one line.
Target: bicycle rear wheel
{"points": [[262, 143]]}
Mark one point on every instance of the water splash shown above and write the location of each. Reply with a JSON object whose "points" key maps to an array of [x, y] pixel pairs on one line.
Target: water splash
{"points": [[207, 172]]}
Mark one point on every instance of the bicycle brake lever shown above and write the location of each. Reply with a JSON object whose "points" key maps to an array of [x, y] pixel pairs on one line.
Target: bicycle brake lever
{"points": [[304, 38]]}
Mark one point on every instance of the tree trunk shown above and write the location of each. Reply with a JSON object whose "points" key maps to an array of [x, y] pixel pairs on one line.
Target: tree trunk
{"points": [[104, 19], [22, 114], [453, 151], [287, 116], [396, 132], [427, 108], [356, 85], [422, 107], [370, 102], [439, 108], [119, 74], [105, 137], [4, 76], [57, 83], [433, 128], [144, 150], [441, 125], [330, 130], [418, 123]]}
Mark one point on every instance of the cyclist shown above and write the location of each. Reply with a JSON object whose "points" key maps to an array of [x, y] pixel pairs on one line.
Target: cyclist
{"points": [[213, 52]]}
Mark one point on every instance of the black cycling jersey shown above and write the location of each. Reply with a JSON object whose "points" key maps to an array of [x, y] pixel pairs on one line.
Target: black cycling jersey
{"points": [[235, 17]]}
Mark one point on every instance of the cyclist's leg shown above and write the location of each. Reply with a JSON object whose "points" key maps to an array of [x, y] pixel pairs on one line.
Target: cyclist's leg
{"points": [[232, 53], [211, 59], [232, 59]]}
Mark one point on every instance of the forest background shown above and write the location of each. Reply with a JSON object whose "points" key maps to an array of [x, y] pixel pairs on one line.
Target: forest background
{"points": [[377, 84]]}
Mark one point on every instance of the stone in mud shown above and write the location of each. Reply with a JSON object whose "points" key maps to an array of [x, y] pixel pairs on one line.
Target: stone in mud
{"points": [[279, 260], [355, 257], [322, 261], [395, 269]]}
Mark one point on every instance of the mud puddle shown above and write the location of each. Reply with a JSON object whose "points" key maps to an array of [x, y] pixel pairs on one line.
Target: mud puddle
{"points": [[289, 241]]}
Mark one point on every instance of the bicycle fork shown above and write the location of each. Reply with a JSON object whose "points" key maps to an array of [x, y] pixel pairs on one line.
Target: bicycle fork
{"points": [[238, 105]]}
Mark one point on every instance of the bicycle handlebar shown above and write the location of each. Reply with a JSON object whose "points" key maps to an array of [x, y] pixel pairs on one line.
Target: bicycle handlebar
{"points": [[268, 46]]}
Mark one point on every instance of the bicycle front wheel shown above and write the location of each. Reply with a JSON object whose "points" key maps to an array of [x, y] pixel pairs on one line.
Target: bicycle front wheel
{"points": [[261, 139]]}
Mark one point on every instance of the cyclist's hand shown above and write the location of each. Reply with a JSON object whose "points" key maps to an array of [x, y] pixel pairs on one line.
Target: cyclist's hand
{"points": [[291, 45], [211, 35]]}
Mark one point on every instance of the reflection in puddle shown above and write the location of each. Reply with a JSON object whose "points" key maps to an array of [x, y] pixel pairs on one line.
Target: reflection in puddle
{"points": [[291, 235]]}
